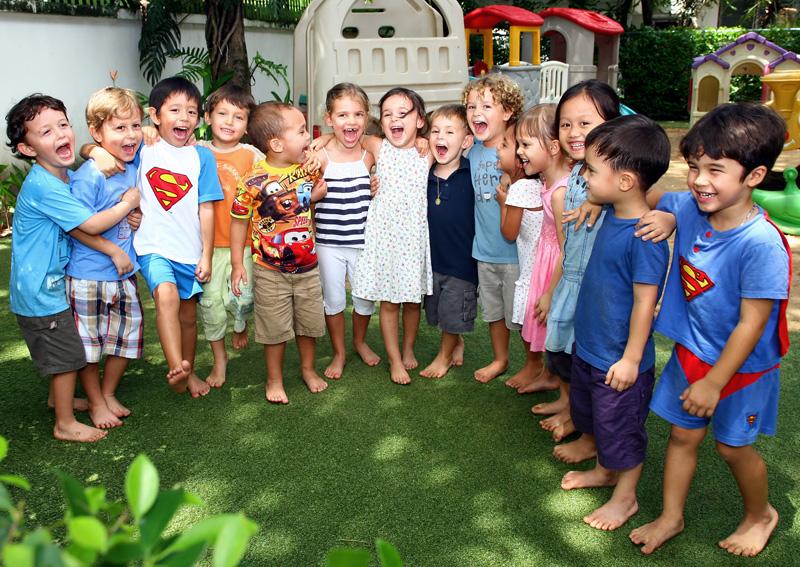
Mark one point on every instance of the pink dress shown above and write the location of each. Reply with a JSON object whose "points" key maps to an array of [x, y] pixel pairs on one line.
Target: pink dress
{"points": [[547, 254]]}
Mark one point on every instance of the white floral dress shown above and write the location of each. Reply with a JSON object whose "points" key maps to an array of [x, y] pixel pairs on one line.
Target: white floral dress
{"points": [[525, 194], [395, 265]]}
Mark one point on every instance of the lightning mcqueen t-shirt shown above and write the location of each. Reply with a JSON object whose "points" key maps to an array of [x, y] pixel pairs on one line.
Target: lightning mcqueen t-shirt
{"points": [[173, 182]]}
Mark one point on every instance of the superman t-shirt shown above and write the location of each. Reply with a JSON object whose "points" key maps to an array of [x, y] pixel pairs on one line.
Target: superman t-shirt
{"points": [[173, 182]]}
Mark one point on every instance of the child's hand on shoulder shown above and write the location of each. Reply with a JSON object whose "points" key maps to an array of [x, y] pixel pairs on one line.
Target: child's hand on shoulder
{"points": [[107, 164], [622, 374], [423, 146], [655, 225], [122, 262], [312, 162], [587, 212], [318, 143], [150, 135], [701, 398]]}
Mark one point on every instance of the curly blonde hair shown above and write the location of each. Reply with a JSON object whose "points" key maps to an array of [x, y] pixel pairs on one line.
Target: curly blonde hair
{"points": [[111, 102], [504, 90]]}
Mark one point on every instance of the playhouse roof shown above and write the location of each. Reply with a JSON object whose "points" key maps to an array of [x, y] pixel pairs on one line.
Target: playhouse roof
{"points": [[715, 57], [489, 16], [592, 21]]}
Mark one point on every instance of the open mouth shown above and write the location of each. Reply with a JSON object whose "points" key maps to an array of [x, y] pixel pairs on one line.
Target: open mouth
{"points": [[441, 150], [479, 127], [351, 135], [397, 131], [181, 133], [577, 147], [64, 151]]}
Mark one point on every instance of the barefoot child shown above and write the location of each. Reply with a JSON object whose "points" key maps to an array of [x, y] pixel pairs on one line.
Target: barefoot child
{"points": [[102, 290], [273, 208], [453, 305], [38, 130], [725, 308], [340, 218], [227, 111], [613, 368]]}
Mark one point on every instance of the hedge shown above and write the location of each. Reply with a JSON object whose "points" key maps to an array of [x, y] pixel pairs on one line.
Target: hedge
{"points": [[656, 66]]}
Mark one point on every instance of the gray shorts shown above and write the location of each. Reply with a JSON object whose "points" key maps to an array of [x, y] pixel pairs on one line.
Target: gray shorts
{"points": [[496, 284], [453, 305], [54, 342]]}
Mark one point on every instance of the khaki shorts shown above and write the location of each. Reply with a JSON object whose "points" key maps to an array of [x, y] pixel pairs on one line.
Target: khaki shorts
{"points": [[287, 305], [496, 285]]}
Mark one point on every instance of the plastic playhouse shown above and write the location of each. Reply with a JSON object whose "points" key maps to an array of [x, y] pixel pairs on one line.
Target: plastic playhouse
{"points": [[783, 206], [378, 46], [749, 54]]}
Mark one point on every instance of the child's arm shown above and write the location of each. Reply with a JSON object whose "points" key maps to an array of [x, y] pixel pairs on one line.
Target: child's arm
{"points": [[96, 242], [102, 221], [542, 309], [624, 372], [319, 190], [105, 162], [206, 213], [238, 273], [510, 216], [702, 397], [586, 212], [655, 225]]}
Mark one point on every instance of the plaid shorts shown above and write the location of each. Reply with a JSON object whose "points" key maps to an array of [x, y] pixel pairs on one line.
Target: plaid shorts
{"points": [[109, 317]]}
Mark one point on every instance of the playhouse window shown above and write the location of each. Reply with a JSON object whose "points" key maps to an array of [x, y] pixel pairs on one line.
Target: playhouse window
{"points": [[386, 31], [350, 32]]}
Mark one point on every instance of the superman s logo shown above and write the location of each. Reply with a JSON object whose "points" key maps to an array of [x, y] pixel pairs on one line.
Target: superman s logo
{"points": [[694, 280], [168, 187]]}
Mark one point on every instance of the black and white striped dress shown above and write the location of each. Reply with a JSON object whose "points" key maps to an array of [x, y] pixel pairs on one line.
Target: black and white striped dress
{"points": [[341, 216]]}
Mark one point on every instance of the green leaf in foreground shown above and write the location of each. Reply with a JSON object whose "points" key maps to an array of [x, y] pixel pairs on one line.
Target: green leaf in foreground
{"points": [[232, 541], [347, 557], [141, 485], [88, 532], [388, 554]]}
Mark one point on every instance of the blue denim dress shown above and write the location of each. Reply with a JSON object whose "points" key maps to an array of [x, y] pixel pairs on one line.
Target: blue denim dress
{"points": [[577, 249]]}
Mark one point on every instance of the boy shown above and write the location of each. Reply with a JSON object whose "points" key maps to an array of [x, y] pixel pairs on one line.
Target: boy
{"points": [[613, 368], [451, 222], [725, 308], [38, 130], [103, 295], [491, 102], [275, 197], [227, 111]]}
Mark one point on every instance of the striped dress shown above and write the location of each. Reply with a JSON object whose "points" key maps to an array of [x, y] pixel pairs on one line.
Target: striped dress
{"points": [[341, 216]]}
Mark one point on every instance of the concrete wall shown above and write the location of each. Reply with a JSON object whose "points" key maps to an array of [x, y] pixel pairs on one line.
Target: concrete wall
{"points": [[71, 57]]}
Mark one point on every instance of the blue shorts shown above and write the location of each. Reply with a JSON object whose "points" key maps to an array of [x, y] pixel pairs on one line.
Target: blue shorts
{"points": [[738, 418], [157, 270]]}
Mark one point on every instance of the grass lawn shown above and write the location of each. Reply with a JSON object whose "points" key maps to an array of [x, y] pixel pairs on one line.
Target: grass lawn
{"points": [[453, 472]]}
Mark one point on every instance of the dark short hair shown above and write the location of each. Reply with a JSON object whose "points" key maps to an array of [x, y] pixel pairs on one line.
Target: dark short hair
{"points": [[749, 133], [416, 102], [166, 88], [632, 143], [232, 94], [605, 99], [267, 122], [24, 111]]}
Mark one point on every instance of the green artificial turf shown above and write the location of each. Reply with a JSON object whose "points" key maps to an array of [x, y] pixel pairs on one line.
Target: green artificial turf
{"points": [[453, 472]]}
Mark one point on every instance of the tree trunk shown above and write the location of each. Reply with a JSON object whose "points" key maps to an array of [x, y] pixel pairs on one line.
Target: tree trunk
{"points": [[647, 12], [623, 11], [227, 49]]}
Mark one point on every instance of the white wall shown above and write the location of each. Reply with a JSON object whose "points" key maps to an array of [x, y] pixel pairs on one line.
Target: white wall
{"points": [[71, 57]]}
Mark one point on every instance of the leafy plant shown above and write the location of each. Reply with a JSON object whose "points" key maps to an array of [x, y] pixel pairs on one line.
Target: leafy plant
{"points": [[11, 178], [105, 532], [388, 556], [275, 71]]}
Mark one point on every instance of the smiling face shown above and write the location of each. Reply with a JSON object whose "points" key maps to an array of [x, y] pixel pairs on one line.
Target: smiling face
{"points": [[507, 152], [49, 139], [448, 138], [228, 124], [486, 117], [579, 116], [348, 118], [602, 181], [400, 121], [176, 119], [293, 142], [120, 135], [720, 186], [534, 156]]}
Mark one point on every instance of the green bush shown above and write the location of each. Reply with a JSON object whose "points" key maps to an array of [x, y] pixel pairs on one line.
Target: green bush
{"points": [[656, 66]]}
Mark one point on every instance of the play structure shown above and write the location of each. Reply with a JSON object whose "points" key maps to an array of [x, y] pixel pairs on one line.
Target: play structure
{"points": [[378, 46], [784, 86], [783, 206], [749, 54]]}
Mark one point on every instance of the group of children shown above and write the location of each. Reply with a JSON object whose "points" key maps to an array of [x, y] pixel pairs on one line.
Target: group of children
{"points": [[545, 217]]}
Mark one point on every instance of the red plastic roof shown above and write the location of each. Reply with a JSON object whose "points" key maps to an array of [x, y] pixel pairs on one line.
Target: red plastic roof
{"points": [[592, 21], [489, 16]]}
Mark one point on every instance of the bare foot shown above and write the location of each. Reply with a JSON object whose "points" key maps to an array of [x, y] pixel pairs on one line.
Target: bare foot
{"points": [[116, 408], [367, 355], [458, 352], [593, 478], [551, 408], [751, 535], [409, 360], [103, 418], [197, 387], [582, 449], [613, 514], [550, 423], [276, 394], [178, 377], [240, 340], [336, 367], [78, 432], [526, 376], [437, 368], [78, 404], [216, 377], [545, 381], [655, 534], [398, 373], [491, 371], [313, 381], [563, 431]]}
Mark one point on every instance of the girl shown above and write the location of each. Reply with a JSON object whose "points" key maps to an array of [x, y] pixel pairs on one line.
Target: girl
{"points": [[340, 218], [582, 107], [395, 267]]}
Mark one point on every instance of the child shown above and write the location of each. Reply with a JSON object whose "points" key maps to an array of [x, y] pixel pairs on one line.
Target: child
{"points": [[491, 102], [340, 219], [725, 308], [453, 305], [105, 299], [227, 111], [395, 266], [613, 368], [275, 197], [38, 129], [582, 107]]}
